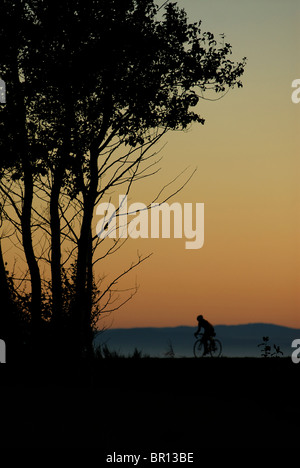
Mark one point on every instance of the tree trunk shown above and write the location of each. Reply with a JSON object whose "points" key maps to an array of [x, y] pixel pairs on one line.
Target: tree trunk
{"points": [[22, 148], [82, 305], [56, 279], [36, 289], [6, 310], [83, 301]]}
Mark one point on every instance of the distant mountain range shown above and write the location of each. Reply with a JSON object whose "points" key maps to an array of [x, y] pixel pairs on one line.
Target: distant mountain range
{"points": [[237, 340]]}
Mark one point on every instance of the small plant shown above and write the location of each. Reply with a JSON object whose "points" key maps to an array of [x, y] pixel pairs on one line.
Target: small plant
{"points": [[137, 354], [267, 348], [277, 351], [170, 351], [103, 352]]}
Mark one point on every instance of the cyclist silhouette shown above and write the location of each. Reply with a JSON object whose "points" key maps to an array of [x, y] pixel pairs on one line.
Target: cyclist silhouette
{"points": [[209, 331]]}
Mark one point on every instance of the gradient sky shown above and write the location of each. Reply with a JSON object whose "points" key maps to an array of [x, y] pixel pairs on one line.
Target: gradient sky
{"points": [[247, 176]]}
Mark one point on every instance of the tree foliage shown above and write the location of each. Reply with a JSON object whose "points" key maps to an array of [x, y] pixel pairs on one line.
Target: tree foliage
{"points": [[92, 85]]}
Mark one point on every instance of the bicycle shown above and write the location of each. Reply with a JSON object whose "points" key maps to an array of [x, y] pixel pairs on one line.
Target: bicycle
{"points": [[214, 347]]}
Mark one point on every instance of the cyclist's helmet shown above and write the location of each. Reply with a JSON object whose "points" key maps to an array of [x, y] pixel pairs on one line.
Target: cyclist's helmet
{"points": [[200, 317]]}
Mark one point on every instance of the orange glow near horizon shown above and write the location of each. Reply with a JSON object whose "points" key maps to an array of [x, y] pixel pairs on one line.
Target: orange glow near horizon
{"points": [[247, 157]]}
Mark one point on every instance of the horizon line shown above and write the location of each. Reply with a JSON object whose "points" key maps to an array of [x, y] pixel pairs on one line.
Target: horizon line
{"points": [[192, 326]]}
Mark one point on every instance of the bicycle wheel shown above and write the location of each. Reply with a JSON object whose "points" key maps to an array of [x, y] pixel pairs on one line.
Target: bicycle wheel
{"points": [[198, 348], [216, 348]]}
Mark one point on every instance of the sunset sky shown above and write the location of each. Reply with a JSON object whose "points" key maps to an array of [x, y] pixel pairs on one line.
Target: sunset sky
{"points": [[247, 161]]}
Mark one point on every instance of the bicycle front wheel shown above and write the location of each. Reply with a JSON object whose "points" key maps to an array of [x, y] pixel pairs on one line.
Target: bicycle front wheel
{"points": [[198, 348], [216, 348]]}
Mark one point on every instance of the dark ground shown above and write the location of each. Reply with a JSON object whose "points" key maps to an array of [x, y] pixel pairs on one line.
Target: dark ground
{"points": [[154, 404]]}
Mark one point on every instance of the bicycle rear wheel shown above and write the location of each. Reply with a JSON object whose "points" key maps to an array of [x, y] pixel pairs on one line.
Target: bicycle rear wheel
{"points": [[216, 348], [198, 348]]}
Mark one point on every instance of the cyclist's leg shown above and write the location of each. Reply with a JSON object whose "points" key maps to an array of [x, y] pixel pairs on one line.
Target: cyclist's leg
{"points": [[206, 342]]}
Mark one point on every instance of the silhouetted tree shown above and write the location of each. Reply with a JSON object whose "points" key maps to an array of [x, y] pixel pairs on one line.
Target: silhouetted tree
{"points": [[92, 86]]}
